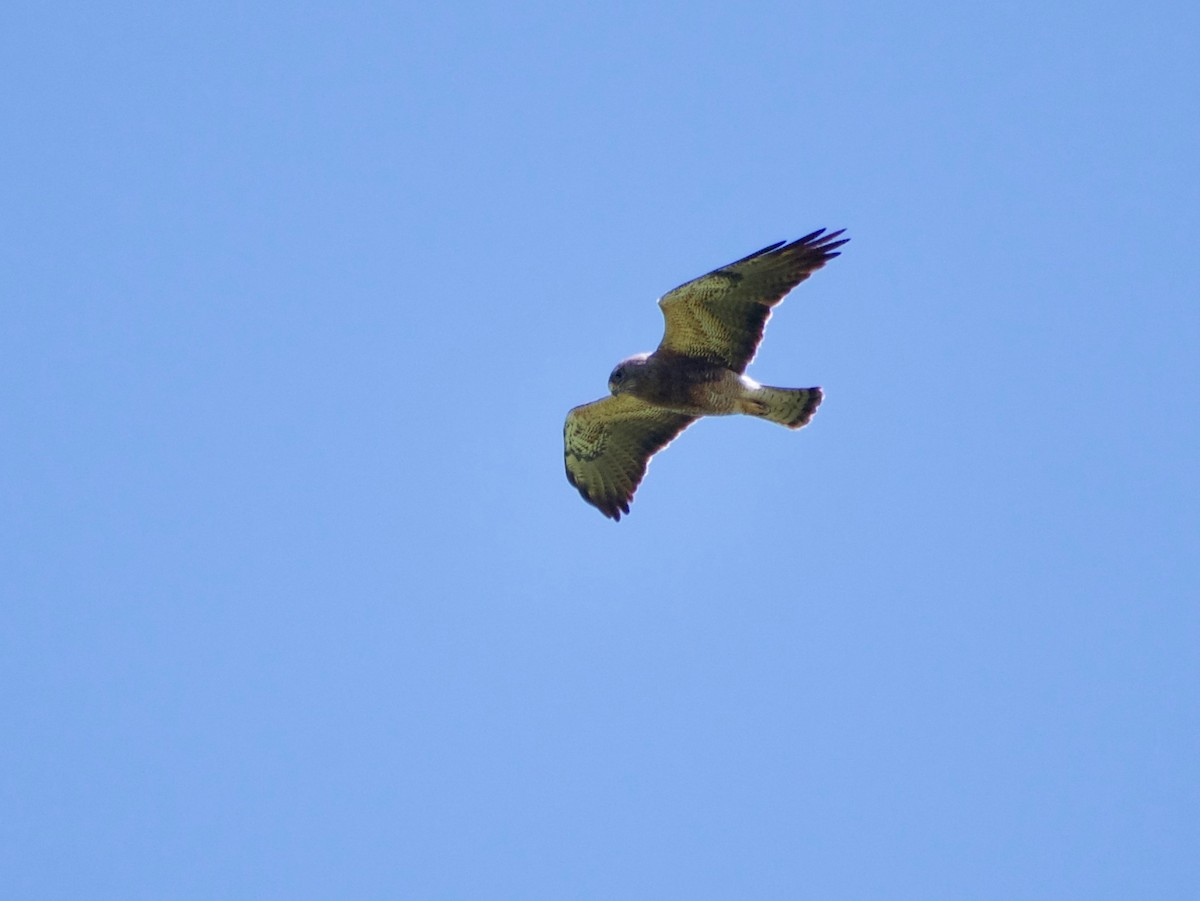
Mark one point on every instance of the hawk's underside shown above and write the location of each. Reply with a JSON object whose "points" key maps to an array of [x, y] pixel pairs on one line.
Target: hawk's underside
{"points": [[713, 327]]}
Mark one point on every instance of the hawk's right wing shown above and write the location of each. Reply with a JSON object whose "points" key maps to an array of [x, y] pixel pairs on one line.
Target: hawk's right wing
{"points": [[608, 445], [721, 316]]}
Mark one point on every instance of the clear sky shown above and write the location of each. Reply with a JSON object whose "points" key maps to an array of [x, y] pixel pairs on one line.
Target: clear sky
{"points": [[296, 599]]}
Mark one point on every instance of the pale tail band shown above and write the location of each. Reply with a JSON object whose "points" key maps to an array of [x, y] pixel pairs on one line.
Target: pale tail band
{"points": [[792, 407]]}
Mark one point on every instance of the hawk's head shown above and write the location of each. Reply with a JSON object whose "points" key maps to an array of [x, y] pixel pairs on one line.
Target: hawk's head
{"points": [[625, 376]]}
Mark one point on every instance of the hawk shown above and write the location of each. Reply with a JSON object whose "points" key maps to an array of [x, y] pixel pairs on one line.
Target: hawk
{"points": [[713, 327]]}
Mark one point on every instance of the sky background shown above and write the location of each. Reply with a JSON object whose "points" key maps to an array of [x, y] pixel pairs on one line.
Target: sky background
{"points": [[298, 603]]}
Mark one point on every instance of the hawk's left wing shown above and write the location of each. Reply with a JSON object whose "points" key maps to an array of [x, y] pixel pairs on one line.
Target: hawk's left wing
{"points": [[608, 445], [721, 316]]}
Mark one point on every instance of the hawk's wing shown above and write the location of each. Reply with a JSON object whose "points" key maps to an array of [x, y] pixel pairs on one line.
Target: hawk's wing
{"points": [[608, 445], [721, 316]]}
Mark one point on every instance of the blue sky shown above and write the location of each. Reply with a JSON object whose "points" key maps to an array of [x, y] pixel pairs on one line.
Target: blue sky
{"points": [[297, 601]]}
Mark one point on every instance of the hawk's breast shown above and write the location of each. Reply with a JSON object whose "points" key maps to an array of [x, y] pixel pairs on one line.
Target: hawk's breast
{"points": [[689, 384]]}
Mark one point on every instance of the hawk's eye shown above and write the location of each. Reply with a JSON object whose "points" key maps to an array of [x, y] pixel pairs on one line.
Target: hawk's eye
{"points": [[618, 375]]}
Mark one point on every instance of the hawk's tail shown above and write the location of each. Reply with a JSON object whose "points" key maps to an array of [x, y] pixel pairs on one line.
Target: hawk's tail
{"points": [[792, 407]]}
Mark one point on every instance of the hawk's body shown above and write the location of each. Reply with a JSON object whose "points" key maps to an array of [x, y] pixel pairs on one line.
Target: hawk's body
{"points": [[713, 327]]}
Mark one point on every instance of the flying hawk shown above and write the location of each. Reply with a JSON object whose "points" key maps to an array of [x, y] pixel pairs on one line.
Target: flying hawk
{"points": [[713, 327]]}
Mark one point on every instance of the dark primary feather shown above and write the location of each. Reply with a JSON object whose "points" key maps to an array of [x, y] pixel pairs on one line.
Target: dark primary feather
{"points": [[721, 316]]}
